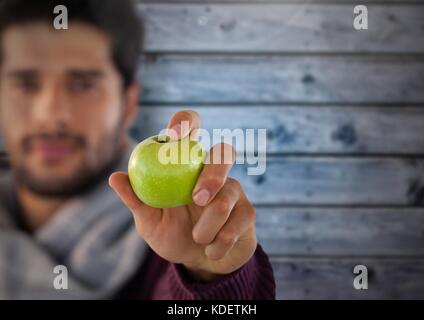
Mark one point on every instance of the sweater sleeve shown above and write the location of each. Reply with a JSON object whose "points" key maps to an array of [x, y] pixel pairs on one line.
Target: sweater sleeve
{"points": [[254, 280]]}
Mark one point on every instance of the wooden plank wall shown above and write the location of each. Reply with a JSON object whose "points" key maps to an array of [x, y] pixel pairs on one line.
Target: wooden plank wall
{"points": [[344, 115]]}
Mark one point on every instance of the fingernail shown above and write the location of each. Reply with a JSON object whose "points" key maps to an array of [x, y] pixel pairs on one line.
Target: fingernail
{"points": [[110, 183], [175, 132], [201, 198]]}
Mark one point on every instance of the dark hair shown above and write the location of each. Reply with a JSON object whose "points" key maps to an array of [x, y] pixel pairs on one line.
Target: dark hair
{"points": [[117, 18]]}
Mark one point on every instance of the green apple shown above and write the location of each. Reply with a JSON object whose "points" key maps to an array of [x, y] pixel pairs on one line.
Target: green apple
{"points": [[163, 172]]}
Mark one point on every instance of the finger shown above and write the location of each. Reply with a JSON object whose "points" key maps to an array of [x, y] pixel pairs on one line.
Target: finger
{"points": [[240, 224], [214, 174], [183, 124], [216, 214], [146, 218]]}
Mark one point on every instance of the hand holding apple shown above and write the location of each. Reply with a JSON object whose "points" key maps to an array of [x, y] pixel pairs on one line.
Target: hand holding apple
{"points": [[211, 237]]}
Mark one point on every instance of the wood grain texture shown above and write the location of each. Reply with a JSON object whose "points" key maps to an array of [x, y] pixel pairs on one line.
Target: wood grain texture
{"points": [[335, 181], [298, 27], [281, 79], [329, 278], [304, 129], [341, 109], [341, 231]]}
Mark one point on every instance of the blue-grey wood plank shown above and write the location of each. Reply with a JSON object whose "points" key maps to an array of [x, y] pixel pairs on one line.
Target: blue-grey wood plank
{"points": [[298, 27], [305, 129], [281, 79], [335, 181], [332, 278], [300, 231]]}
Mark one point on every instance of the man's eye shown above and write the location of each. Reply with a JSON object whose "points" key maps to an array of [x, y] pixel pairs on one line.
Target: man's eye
{"points": [[83, 85], [27, 85]]}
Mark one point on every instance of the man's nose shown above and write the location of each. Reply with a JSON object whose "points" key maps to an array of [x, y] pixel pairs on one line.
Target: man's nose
{"points": [[50, 109]]}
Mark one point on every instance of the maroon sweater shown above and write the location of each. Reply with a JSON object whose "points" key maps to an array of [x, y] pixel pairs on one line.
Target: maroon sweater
{"points": [[161, 280]]}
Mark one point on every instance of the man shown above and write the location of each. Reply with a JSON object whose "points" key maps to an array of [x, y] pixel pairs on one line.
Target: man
{"points": [[67, 99]]}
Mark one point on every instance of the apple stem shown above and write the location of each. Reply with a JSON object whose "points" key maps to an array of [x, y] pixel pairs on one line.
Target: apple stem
{"points": [[162, 138]]}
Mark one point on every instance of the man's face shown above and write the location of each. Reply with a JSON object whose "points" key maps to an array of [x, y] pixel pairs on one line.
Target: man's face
{"points": [[62, 106]]}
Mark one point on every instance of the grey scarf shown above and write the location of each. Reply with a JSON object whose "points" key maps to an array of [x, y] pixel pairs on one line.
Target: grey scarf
{"points": [[93, 236]]}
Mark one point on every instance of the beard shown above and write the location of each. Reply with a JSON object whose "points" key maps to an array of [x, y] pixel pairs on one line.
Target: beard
{"points": [[86, 175]]}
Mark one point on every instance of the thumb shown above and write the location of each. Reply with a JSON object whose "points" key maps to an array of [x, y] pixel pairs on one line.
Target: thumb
{"points": [[146, 218]]}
